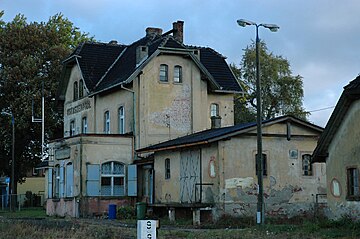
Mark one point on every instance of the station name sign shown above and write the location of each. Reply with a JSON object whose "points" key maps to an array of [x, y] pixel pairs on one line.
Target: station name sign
{"points": [[78, 108]]}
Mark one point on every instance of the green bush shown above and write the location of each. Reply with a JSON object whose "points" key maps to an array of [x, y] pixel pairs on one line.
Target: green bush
{"points": [[126, 212]]}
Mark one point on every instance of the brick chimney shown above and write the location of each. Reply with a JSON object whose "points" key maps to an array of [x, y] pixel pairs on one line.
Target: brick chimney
{"points": [[153, 31], [178, 28]]}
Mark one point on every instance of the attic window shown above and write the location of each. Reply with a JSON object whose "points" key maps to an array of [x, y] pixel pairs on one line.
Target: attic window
{"points": [[163, 73], [81, 88], [76, 90], [143, 48], [196, 52]]}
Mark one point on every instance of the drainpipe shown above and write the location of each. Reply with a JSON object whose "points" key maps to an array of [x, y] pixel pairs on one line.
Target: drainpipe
{"points": [[134, 116], [80, 175]]}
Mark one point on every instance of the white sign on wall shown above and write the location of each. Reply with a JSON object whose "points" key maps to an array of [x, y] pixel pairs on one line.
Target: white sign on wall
{"points": [[146, 229]]}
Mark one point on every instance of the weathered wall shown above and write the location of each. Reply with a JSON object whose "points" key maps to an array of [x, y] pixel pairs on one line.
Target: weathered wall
{"points": [[169, 110], [230, 181], [87, 149], [344, 152]]}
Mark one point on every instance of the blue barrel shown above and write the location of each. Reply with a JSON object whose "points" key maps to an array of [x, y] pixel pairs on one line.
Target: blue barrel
{"points": [[112, 211]]}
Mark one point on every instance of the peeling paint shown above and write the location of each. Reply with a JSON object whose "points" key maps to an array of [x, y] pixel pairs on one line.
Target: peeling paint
{"points": [[178, 115], [239, 182]]}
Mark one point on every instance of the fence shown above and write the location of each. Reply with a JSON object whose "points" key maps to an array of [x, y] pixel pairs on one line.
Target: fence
{"points": [[19, 201]]}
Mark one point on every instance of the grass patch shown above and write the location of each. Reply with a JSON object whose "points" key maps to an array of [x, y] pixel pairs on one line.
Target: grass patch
{"points": [[25, 213]]}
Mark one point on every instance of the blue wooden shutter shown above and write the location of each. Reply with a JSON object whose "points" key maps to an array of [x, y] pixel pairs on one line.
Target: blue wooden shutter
{"points": [[69, 180], [132, 180], [93, 180], [50, 182]]}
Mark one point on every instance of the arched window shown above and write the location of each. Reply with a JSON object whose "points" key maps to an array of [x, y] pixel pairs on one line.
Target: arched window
{"points": [[177, 74], [112, 179], [214, 110], [163, 73], [107, 122], [81, 88], [84, 125], [121, 113], [76, 90], [306, 165]]}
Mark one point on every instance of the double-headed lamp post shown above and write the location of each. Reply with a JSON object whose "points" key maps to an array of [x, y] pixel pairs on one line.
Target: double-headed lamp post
{"points": [[260, 215], [12, 160]]}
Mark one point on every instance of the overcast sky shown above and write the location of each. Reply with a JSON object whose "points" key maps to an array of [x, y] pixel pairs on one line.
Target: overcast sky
{"points": [[319, 38]]}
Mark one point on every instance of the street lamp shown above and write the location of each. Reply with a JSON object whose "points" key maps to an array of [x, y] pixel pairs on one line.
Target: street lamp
{"points": [[12, 161], [260, 215]]}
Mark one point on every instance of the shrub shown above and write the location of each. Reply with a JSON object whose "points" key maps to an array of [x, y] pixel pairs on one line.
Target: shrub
{"points": [[126, 212]]}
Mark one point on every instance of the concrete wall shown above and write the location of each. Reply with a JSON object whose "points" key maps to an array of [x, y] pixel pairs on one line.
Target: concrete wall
{"points": [[344, 152]]}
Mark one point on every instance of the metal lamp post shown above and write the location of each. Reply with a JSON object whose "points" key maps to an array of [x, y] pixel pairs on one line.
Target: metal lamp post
{"points": [[12, 160], [260, 215]]}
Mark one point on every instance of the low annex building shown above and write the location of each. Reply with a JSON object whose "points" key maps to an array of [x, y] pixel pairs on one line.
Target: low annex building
{"points": [[118, 98], [214, 171], [339, 148]]}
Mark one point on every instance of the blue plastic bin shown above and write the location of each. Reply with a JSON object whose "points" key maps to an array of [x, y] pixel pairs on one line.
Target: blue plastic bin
{"points": [[112, 211]]}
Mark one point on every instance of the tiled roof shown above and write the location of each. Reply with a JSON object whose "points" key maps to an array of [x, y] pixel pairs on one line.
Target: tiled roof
{"points": [[107, 65], [211, 135], [95, 59]]}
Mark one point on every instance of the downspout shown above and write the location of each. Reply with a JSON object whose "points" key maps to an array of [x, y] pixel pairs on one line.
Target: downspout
{"points": [[201, 175], [134, 117], [80, 175]]}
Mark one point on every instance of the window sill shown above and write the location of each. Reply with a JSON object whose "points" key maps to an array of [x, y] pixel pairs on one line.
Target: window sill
{"points": [[353, 198]]}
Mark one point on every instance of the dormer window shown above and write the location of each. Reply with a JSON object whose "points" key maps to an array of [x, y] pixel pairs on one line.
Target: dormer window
{"points": [[81, 88], [76, 91], [163, 73], [177, 74]]}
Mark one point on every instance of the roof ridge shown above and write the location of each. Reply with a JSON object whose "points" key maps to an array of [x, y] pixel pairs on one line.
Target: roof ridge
{"points": [[111, 66]]}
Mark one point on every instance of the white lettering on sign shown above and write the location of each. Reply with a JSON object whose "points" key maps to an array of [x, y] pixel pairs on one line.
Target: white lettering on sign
{"points": [[146, 229]]}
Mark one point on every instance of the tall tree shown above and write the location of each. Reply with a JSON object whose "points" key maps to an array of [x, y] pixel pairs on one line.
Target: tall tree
{"points": [[30, 65], [281, 92]]}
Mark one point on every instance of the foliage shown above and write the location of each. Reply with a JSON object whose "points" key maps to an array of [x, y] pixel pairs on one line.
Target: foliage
{"points": [[30, 59], [281, 92], [126, 212]]}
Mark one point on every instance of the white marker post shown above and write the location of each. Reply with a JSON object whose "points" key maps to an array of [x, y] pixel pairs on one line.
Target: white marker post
{"points": [[146, 229]]}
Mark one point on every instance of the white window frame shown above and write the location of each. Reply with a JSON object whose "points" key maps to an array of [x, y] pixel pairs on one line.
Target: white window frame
{"points": [[306, 165], [121, 116], [164, 73], [84, 125], [214, 110], [72, 127], [107, 122], [113, 176], [177, 74]]}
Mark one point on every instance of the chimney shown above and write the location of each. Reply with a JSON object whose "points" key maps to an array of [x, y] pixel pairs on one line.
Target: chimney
{"points": [[178, 31], [153, 31], [215, 122]]}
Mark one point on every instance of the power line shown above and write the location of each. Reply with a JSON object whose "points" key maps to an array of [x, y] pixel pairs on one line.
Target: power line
{"points": [[326, 108]]}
